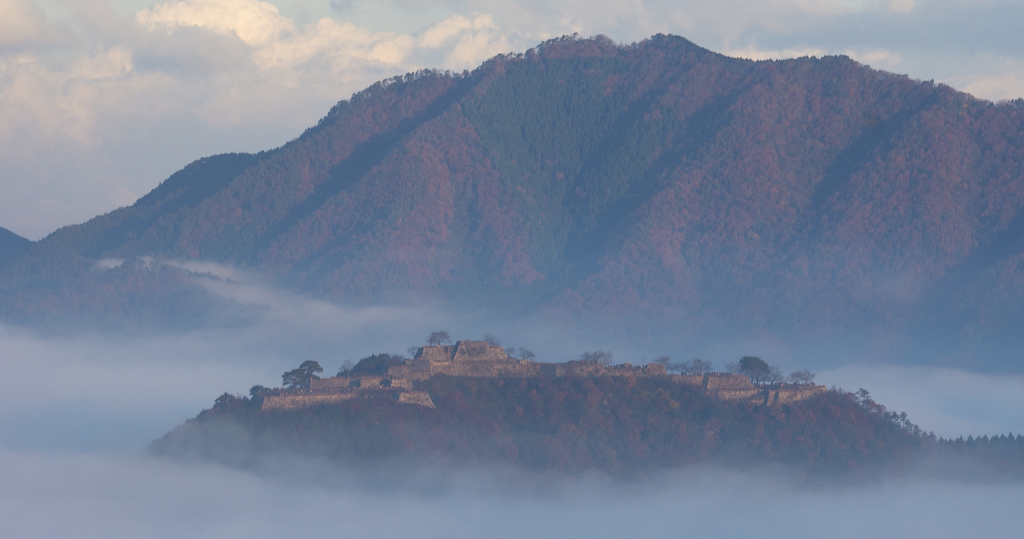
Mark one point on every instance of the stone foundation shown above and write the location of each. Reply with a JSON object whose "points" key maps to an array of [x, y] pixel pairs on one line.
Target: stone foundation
{"points": [[294, 402]]}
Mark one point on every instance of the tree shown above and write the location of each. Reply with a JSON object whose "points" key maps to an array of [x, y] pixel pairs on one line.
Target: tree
{"points": [[437, 338], [299, 378], [757, 369], [525, 354], [492, 339], [774, 376], [667, 362], [599, 356], [256, 390], [377, 364], [346, 367], [801, 377], [695, 367], [225, 400]]}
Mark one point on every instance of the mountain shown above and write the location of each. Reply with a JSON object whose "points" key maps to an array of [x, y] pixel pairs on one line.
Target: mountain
{"points": [[12, 246], [656, 184]]}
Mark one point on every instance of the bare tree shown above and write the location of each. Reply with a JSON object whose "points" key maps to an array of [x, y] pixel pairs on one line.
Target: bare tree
{"points": [[774, 376], [523, 353], [492, 339], [602, 357], [802, 377], [667, 362], [438, 338], [695, 367], [346, 367]]}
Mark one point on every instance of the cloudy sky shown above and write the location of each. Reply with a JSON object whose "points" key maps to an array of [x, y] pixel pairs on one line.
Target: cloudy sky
{"points": [[102, 99]]}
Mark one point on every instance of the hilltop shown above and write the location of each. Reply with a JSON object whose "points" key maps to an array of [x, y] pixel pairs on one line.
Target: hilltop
{"points": [[472, 403], [659, 182]]}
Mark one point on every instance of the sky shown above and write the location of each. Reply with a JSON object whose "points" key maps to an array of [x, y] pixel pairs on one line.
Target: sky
{"points": [[100, 100]]}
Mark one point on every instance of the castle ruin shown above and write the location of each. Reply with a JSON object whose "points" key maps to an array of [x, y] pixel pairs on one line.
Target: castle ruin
{"points": [[481, 359]]}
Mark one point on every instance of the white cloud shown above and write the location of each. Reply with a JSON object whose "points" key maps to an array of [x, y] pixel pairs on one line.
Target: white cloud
{"points": [[86, 496], [254, 22], [757, 54], [878, 59], [998, 87], [21, 23]]}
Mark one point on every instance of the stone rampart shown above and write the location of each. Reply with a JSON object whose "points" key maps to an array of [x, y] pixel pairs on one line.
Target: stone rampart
{"points": [[401, 383], [421, 398], [580, 368], [435, 353], [487, 369], [626, 369], [343, 382], [294, 402], [716, 380], [689, 379], [480, 359], [788, 394], [412, 370], [479, 351], [336, 382]]}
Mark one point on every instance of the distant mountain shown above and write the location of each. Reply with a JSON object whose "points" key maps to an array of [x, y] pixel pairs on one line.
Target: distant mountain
{"points": [[12, 246], [659, 184]]}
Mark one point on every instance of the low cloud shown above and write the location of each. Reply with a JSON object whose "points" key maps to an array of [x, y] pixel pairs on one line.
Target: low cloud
{"points": [[137, 497]]}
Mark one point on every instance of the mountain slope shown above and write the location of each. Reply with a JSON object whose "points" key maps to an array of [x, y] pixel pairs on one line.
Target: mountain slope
{"points": [[658, 181], [12, 246]]}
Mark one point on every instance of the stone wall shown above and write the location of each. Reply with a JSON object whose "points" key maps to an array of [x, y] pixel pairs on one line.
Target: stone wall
{"points": [[294, 402], [421, 398], [479, 351], [690, 380], [579, 368], [343, 382], [487, 369], [336, 382], [435, 353], [463, 351], [716, 380], [787, 394], [480, 359]]}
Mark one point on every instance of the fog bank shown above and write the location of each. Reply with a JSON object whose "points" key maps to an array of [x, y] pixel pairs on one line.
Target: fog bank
{"points": [[73, 495]]}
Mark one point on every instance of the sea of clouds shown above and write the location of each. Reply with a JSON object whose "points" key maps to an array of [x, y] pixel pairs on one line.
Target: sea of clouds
{"points": [[78, 411]]}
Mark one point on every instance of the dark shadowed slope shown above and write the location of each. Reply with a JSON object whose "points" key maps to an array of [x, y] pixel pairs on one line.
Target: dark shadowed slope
{"points": [[12, 246], [657, 182]]}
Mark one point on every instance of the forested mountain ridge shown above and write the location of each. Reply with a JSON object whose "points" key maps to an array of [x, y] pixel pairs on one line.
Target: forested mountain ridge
{"points": [[12, 246], [657, 180]]}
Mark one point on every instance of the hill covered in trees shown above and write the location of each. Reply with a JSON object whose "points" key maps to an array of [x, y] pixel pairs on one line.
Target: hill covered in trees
{"points": [[661, 182], [614, 424]]}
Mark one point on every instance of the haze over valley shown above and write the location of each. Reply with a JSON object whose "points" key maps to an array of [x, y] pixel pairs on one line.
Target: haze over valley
{"points": [[192, 207]]}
